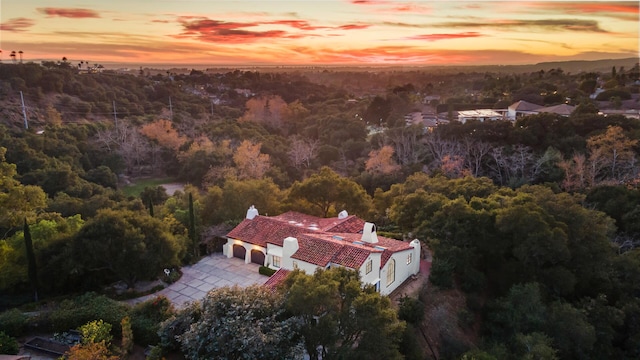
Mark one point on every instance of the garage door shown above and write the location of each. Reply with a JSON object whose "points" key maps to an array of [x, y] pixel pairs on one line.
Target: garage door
{"points": [[239, 251], [257, 257]]}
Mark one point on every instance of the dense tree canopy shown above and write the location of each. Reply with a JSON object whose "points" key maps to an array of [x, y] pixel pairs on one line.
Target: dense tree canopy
{"points": [[130, 246], [341, 318], [236, 323]]}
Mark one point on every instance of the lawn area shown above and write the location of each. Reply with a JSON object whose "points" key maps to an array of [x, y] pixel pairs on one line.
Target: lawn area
{"points": [[136, 187]]}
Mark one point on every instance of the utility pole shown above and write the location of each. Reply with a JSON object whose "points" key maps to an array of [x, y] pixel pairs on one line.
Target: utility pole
{"points": [[170, 108], [24, 112]]}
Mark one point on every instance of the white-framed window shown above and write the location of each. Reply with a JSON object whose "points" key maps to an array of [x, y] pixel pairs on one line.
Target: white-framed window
{"points": [[391, 272], [295, 264], [409, 258], [369, 267], [275, 260]]}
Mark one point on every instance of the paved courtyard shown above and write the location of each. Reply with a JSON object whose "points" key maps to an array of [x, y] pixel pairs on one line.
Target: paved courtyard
{"points": [[211, 272]]}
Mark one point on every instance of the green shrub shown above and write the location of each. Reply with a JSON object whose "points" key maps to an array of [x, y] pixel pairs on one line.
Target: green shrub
{"points": [[96, 331], [146, 318], [8, 345], [127, 336], [177, 325], [74, 313], [411, 310], [174, 275], [13, 322], [155, 353], [263, 270]]}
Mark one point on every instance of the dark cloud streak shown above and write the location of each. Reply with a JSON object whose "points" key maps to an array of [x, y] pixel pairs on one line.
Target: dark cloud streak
{"points": [[436, 37], [550, 24]]}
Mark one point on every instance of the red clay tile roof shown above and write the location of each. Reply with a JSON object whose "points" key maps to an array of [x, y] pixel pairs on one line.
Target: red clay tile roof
{"points": [[316, 251], [318, 239], [277, 278], [351, 256], [262, 230], [350, 224]]}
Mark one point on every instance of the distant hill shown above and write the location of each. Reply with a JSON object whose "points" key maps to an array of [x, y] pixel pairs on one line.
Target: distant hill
{"points": [[582, 65], [572, 66]]}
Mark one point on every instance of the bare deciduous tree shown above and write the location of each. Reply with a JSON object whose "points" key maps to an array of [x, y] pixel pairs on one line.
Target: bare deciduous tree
{"points": [[303, 151]]}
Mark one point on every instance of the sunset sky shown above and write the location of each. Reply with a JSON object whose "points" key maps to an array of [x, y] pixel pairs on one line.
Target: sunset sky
{"points": [[308, 32]]}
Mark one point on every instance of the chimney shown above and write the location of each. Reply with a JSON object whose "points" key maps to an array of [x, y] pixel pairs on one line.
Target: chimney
{"points": [[252, 212], [369, 233]]}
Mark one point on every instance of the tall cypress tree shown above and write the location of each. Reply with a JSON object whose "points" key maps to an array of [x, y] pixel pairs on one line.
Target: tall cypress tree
{"points": [[31, 259], [192, 227]]}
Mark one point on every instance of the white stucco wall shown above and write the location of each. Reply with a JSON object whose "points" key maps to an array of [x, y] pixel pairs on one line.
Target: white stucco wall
{"points": [[402, 272], [227, 249], [374, 276]]}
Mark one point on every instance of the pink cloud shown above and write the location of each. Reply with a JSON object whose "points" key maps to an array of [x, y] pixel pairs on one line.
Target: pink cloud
{"points": [[16, 24], [69, 13], [228, 32], [209, 30]]}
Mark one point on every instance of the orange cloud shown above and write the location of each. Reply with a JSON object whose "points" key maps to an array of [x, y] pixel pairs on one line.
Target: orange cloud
{"points": [[436, 37], [411, 8], [69, 13], [620, 10], [386, 6], [16, 24], [297, 24]]}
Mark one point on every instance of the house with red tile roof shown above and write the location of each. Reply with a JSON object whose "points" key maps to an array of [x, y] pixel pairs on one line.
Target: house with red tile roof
{"points": [[299, 241]]}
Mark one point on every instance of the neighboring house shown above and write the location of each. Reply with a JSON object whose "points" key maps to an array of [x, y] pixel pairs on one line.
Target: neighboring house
{"points": [[521, 108], [562, 109], [480, 115], [298, 241]]}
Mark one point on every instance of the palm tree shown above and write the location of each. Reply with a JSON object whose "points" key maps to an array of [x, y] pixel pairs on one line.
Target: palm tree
{"points": [[21, 52], [13, 56]]}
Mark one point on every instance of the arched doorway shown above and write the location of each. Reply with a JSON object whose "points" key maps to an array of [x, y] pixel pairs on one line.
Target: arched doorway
{"points": [[257, 257], [239, 251]]}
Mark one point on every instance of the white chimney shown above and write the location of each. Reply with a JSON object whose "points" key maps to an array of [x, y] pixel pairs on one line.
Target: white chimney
{"points": [[252, 212], [343, 214], [369, 233]]}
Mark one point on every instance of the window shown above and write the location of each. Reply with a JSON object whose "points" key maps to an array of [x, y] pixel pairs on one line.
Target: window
{"points": [[275, 260], [409, 258], [391, 272], [295, 264], [369, 266]]}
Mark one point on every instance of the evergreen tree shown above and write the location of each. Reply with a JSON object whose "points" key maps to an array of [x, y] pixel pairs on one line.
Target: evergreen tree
{"points": [[31, 258], [192, 228]]}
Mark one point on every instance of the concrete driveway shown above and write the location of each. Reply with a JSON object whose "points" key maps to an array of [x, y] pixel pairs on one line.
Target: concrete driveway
{"points": [[211, 272]]}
